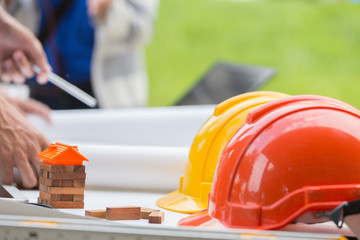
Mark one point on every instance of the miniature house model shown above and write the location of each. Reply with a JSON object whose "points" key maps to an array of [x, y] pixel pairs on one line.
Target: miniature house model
{"points": [[62, 176]]}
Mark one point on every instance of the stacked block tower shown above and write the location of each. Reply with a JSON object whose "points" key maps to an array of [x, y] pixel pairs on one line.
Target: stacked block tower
{"points": [[62, 177]]}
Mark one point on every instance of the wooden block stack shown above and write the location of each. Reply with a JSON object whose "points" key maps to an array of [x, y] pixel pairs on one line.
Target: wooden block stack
{"points": [[62, 186]]}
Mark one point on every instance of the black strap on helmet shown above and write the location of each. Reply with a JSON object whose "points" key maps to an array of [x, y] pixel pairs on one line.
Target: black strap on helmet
{"points": [[340, 212]]}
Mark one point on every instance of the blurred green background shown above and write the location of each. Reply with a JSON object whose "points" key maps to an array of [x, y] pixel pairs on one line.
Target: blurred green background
{"points": [[313, 44]]}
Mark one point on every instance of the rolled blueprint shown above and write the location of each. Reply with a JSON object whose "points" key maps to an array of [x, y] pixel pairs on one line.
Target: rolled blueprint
{"points": [[142, 148], [158, 126], [134, 167]]}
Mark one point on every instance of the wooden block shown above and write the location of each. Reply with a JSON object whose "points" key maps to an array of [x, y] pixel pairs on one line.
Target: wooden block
{"points": [[57, 182], [62, 197], [61, 204], [40, 200], [56, 197], [66, 183], [46, 181], [123, 213], [66, 176], [65, 204], [43, 173], [79, 169], [56, 168], [61, 190], [79, 183], [145, 212], [62, 168], [66, 190], [43, 187], [95, 213], [78, 197], [156, 217]]}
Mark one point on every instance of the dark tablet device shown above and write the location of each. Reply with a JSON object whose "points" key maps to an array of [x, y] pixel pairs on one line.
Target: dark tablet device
{"points": [[225, 80]]}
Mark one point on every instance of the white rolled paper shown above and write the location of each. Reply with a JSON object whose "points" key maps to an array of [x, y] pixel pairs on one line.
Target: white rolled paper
{"points": [[158, 126], [142, 148], [134, 167]]}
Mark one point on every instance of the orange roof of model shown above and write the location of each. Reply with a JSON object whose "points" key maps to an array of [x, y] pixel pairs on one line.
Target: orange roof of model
{"points": [[62, 154]]}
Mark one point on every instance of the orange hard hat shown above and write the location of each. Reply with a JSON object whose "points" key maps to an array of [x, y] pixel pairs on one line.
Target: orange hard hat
{"points": [[293, 156]]}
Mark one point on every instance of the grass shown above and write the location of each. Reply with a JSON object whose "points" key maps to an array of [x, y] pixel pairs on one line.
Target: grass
{"points": [[313, 44]]}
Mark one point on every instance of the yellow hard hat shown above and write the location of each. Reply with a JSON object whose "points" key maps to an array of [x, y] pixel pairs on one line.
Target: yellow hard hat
{"points": [[207, 148]]}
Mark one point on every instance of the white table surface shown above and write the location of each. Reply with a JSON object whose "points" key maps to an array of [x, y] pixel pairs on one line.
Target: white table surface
{"points": [[97, 200], [100, 199]]}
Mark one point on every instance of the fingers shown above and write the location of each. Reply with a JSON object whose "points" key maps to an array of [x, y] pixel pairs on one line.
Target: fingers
{"points": [[42, 78], [36, 53], [5, 75], [18, 68], [9, 72], [23, 65], [30, 106], [6, 170], [41, 144], [32, 155], [36, 107], [28, 178], [26, 162], [44, 143]]}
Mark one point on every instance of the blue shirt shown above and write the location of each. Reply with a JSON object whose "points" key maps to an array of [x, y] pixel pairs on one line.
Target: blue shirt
{"points": [[69, 49]]}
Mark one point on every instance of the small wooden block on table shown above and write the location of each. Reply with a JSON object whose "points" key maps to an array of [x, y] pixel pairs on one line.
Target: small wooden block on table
{"points": [[145, 212], [156, 217], [95, 213], [123, 213]]}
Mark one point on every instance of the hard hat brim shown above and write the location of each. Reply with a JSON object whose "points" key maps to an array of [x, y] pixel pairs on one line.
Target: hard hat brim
{"points": [[179, 202], [201, 219]]}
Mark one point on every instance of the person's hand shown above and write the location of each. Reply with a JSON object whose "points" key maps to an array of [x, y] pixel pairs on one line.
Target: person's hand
{"points": [[19, 48], [30, 106], [98, 8], [20, 144]]}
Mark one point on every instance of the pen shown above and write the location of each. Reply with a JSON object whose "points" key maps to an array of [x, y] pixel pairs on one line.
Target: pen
{"points": [[69, 88]]}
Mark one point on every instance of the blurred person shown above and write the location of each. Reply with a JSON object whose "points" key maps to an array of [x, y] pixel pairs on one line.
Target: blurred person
{"points": [[20, 141], [98, 45]]}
